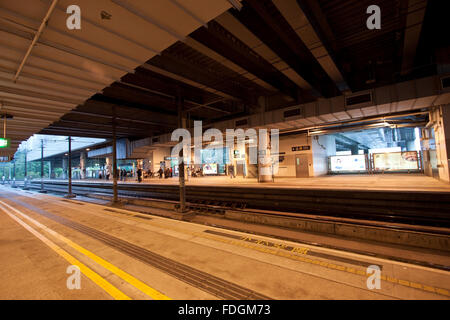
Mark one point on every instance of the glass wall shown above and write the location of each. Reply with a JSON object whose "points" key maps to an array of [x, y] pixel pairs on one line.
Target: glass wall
{"points": [[214, 161]]}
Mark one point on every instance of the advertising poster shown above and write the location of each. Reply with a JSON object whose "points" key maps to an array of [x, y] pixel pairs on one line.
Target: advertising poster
{"points": [[356, 163], [210, 169], [396, 161]]}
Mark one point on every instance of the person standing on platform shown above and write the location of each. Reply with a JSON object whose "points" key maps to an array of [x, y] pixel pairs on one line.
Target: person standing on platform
{"points": [[231, 171], [166, 173], [139, 174]]}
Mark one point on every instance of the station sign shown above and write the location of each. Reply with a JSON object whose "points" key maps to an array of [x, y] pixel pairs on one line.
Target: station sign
{"points": [[6, 159], [301, 148], [5, 143]]}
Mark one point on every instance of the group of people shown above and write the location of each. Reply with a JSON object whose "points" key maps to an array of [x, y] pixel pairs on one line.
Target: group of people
{"points": [[195, 172], [169, 172], [166, 173], [141, 174], [122, 174]]}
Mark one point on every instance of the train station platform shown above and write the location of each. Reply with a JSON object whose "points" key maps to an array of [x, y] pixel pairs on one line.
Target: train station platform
{"points": [[394, 182], [124, 254]]}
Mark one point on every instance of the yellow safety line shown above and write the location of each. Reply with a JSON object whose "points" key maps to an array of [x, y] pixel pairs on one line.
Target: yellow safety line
{"points": [[102, 283], [152, 293], [303, 251]]}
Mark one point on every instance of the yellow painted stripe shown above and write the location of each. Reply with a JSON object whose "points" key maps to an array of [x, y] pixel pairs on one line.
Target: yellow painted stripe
{"points": [[152, 293], [303, 251], [102, 283]]}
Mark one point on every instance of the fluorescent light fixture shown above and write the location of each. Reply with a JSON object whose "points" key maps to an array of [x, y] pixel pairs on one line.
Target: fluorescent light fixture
{"points": [[315, 133], [380, 124]]}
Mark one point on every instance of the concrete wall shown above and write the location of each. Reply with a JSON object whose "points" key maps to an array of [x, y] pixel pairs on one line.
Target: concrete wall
{"points": [[159, 155], [446, 123], [287, 167], [318, 155], [442, 133], [322, 148], [440, 117]]}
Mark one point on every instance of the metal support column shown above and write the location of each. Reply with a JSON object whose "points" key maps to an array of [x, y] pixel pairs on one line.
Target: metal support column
{"points": [[114, 147], [69, 172], [14, 174], [181, 124], [42, 168], [25, 182]]}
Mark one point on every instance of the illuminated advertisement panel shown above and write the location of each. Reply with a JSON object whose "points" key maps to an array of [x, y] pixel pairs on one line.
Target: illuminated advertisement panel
{"points": [[210, 169], [396, 161], [356, 163]]}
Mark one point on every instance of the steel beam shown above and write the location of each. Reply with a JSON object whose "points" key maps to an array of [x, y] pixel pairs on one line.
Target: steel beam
{"points": [[317, 19], [222, 41], [279, 36]]}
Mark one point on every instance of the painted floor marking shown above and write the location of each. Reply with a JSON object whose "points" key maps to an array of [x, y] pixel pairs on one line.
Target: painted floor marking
{"points": [[152, 293], [92, 275], [301, 257]]}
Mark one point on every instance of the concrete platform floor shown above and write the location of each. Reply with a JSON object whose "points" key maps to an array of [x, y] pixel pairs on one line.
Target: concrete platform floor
{"points": [[398, 182], [41, 235]]}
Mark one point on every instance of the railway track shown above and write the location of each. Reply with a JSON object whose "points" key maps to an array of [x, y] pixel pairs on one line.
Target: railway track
{"points": [[417, 208]]}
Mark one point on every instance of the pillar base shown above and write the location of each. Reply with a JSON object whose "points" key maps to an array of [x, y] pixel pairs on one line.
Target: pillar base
{"points": [[265, 179], [183, 215], [42, 191], [70, 196], [116, 204]]}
